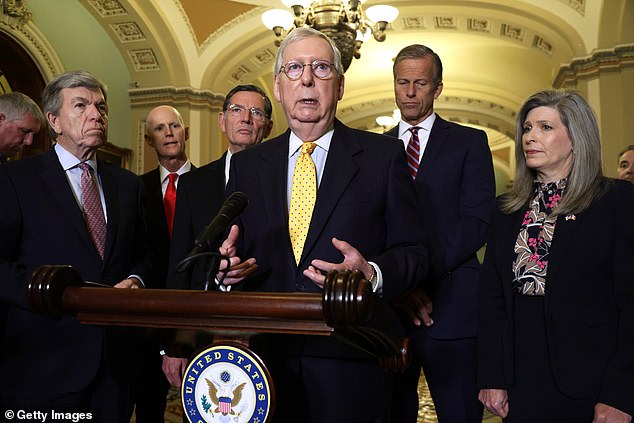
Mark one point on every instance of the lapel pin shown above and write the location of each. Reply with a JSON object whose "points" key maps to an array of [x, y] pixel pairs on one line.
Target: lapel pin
{"points": [[571, 217]]}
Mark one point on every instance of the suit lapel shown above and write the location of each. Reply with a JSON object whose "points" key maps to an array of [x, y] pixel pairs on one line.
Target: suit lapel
{"points": [[54, 177], [339, 170], [273, 183], [567, 226], [437, 136]]}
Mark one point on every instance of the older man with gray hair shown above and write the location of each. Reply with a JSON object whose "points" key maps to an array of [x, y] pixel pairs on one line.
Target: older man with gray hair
{"points": [[20, 119]]}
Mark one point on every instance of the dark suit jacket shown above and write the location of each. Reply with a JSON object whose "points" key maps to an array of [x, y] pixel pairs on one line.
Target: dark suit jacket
{"points": [[41, 223], [158, 235], [455, 190], [199, 197], [589, 302], [365, 198]]}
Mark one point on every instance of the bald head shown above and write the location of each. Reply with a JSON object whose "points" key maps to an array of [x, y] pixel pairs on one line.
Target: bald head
{"points": [[166, 133]]}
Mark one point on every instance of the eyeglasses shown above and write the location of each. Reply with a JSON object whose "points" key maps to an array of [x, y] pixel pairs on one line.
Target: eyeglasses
{"points": [[294, 70], [236, 110]]}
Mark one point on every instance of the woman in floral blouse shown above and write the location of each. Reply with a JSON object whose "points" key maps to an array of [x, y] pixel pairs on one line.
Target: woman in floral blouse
{"points": [[556, 296]]}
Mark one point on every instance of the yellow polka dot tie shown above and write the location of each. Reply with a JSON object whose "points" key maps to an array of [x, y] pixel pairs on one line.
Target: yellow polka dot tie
{"points": [[303, 194]]}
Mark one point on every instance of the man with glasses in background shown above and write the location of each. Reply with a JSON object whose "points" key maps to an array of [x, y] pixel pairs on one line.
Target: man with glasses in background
{"points": [[353, 210], [245, 120]]}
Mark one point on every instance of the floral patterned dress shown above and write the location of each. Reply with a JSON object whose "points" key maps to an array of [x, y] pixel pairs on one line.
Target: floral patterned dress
{"points": [[534, 239]]}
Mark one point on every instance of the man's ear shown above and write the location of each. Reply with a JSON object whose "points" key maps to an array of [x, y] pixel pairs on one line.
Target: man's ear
{"points": [[267, 129], [221, 122], [53, 121], [148, 140], [276, 88]]}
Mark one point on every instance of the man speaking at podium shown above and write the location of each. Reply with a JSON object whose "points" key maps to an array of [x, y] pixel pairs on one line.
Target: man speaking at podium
{"points": [[323, 196]]}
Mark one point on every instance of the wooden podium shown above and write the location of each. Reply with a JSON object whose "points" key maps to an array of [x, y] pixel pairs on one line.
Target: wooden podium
{"points": [[347, 309]]}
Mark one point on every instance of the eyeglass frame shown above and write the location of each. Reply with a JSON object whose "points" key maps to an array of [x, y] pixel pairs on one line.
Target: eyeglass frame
{"points": [[253, 111], [331, 66]]}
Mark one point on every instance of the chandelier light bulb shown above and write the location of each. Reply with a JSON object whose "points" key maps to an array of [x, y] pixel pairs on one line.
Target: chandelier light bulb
{"points": [[385, 121], [278, 18], [344, 21], [381, 13]]}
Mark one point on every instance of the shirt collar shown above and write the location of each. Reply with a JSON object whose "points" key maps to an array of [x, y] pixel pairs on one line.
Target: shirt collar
{"points": [[426, 124], [69, 161], [322, 142], [183, 169]]}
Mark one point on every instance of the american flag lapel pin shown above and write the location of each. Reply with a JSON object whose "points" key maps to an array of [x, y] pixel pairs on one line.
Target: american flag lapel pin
{"points": [[571, 217]]}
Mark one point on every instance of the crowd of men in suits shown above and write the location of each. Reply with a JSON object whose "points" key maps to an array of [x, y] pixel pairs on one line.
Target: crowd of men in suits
{"points": [[409, 209]]}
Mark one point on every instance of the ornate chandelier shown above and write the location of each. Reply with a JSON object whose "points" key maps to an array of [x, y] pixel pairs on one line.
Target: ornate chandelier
{"points": [[344, 21]]}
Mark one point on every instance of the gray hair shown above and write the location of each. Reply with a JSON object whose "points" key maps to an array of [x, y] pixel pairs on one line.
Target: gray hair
{"points": [[15, 105], [419, 51], [52, 95], [302, 33], [585, 174]]}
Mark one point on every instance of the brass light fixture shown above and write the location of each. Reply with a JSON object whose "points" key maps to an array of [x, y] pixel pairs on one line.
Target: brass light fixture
{"points": [[344, 21]]}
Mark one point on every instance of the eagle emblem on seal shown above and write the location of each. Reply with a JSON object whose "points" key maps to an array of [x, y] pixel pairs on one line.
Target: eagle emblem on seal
{"points": [[224, 400]]}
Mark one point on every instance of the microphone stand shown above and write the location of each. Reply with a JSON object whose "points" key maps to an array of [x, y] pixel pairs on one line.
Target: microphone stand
{"points": [[211, 265]]}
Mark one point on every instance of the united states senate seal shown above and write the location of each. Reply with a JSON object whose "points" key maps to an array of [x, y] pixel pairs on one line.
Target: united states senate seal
{"points": [[227, 384]]}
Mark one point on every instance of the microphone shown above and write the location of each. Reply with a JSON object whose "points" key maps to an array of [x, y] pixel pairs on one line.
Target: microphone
{"points": [[211, 237]]}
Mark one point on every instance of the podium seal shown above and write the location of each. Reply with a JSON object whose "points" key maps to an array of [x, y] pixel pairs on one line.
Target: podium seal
{"points": [[227, 384]]}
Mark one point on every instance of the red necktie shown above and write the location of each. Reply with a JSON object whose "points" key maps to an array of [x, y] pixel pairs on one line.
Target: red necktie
{"points": [[413, 151], [169, 201], [93, 210]]}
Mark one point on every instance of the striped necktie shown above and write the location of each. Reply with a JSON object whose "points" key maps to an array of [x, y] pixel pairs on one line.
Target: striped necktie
{"points": [[303, 196], [413, 151], [93, 210]]}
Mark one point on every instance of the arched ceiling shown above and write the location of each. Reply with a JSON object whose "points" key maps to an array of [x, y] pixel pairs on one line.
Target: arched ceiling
{"points": [[495, 53]]}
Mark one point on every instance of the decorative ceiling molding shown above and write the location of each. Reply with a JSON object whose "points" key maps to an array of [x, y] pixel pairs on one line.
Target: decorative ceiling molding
{"points": [[590, 67], [127, 31], [470, 103], [108, 8], [110, 12], [14, 13], [251, 14], [32, 40], [460, 109], [480, 25], [185, 19], [143, 59], [176, 95], [445, 22], [577, 5]]}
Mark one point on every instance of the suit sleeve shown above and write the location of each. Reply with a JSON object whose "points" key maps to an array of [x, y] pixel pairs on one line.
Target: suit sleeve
{"points": [[493, 324], [477, 193], [618, 384], [142, 259], [12, 275], [405, 259]]}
